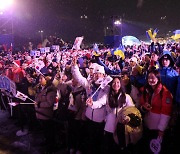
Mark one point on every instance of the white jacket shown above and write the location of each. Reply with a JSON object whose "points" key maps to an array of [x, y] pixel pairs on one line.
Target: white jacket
{"points": [[97, 111], [113, 112]]}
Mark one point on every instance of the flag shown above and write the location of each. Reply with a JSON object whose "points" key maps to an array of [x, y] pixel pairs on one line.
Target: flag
{"points": [[155, 33], [103, 83], [106, 81], [37, 53], [39, 65], [16, 63], [77, 43], [58, 96], [96, 50], [149, 34], [176, 34], [13, 104], [21, 96], [95, 47], [119, 52]]}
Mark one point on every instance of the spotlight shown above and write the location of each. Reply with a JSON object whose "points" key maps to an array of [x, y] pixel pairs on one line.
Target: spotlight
{"points": [[5, 4], [117, 22]]}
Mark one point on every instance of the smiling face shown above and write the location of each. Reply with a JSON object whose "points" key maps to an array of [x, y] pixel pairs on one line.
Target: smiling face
{"points": [[152, 79], [97, 76], [116, 85]]}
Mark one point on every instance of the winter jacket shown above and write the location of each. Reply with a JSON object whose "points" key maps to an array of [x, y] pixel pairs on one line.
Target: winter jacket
{"points": [[113, 112], [45, 103], [169, 78], [161, 102], [78, 102], [97, 111]]}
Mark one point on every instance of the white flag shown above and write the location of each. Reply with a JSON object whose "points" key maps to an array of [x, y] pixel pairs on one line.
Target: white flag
{"points": [[37, 53], [13, 104], [39, 65], [21, 96], [77, 43], [105, 82]]}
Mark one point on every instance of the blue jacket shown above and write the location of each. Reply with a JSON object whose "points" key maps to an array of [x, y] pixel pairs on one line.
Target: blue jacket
{"points": [[169, 78], [138, 81]]}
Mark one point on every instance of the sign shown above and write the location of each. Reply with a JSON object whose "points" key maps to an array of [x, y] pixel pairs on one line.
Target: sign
{"points": [[55, 47], [47, 49], [77, 43], [42, 50], [155, 145], [8, 85], [37, 53], [32, 53]]}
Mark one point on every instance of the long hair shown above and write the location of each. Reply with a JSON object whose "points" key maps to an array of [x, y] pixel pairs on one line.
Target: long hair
{"points": [[148, 90], [127, 87], [114, 99]]}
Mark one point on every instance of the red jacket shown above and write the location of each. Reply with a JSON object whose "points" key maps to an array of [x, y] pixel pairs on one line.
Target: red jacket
{"points": [[161, 102]]}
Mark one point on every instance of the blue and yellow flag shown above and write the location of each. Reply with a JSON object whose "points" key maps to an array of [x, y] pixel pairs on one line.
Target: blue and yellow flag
{"points": [[155, 33], [176, 35], [151, 35], [119, 52]]}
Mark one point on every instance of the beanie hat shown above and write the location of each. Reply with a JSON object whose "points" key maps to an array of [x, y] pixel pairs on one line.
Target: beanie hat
{"points": [[99, 69]]}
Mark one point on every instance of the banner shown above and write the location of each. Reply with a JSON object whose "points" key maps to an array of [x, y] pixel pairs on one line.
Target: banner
{"points": [[37, 53], [42, 50], [32, 53], [77, 43], [47, 49], [55, 47]]}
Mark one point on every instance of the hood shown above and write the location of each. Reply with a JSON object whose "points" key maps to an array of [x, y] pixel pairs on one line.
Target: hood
{"points": [[168, 54]]}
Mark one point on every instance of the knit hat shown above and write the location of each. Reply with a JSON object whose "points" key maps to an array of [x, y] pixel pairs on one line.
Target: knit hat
{"points": [[99, 69]]}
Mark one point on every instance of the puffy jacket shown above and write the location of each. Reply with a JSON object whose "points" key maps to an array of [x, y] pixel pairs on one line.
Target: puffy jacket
{"points": [[45, 99], [112, 114], [161, 102], [169, 76], [97, 111]]}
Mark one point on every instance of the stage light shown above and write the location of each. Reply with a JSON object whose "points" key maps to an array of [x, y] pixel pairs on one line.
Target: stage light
{"points": [[117, 22], [5, 4]]}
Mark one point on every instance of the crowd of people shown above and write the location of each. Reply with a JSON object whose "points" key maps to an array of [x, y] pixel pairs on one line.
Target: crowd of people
{"points": [[141, 102]]}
